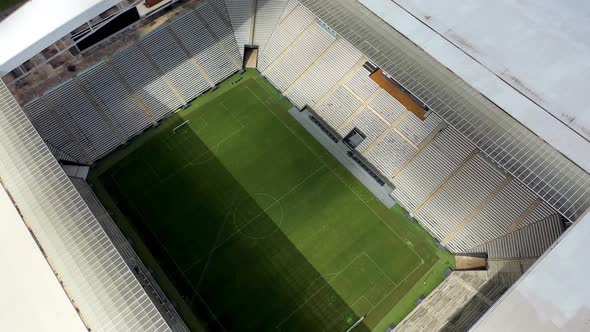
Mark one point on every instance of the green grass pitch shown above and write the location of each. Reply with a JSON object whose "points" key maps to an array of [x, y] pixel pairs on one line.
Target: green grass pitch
{"points": [[251, 225]]}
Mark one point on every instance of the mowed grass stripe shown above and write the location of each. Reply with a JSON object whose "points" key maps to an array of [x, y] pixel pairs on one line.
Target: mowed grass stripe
{"points": [[259, 226]]}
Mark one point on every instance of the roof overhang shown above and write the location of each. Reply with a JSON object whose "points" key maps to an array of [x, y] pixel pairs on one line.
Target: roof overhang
{"points": [[528, 57], [38, 24]]}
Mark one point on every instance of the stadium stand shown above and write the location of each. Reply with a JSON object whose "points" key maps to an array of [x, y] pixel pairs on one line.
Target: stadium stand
{"points": [[137, 71], [268, 12], [383, 103], [175, 65], [530, 241], [90, 128], [54, 132], [115, 100], [390, 154], [495, 218], [416, 181], [240, 15], [285, 33], [438, 175], [334, 64], [457, 198], [363, 86], [291, 64], [456, 304], [142, 273], [221, 29], [91, 270], [368, 122], [203, 47], [338, 107]]}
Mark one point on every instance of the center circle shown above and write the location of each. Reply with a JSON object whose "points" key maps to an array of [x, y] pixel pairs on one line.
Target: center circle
{"points": [[261, 221]]}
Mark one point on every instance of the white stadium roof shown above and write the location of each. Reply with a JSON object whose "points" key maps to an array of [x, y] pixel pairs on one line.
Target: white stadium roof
{"points": [[32, 298], [526, 56], [38, 24], [552, 295]]}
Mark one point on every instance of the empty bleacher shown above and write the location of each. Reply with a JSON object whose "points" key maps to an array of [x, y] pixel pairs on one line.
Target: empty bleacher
{"points": [[82, 119], [338, 107], [390, 154], [54, 132], [285, 34], [106, 105], [327, 71], [268, 13], [115, 100], [459, 197], [417, 130], [369, 123], [145, 81], [383, 103], [435, 163], [363, 86], [495, 218], [175, 64], [287, 68], [123, 246], [530, 241], [203, 47], [222, 31], [240, 15]]}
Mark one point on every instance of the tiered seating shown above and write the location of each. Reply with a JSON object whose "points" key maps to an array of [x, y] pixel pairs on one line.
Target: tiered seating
{"points": [[219, 7], [530, 241], [284, 35], [203, 47], [127, 252], [417, 130], [221, 31], [301, 55], [332, 67], [49, 127], [145, 81], [390, 154], [540, 212], [369, 123], [175, 64], [459, 197], [114, 99], [82, 119], [430, 168], [338, 107], [240, 15], [384, 104], [289, 7], [495, 218], [268, 13], [361, 84]]}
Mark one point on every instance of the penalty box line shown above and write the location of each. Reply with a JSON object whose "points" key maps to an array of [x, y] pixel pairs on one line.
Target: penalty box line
{"points": [[339, 178]]}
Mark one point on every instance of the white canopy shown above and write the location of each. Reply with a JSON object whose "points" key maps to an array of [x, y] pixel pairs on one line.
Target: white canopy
{"points": [[529, 57], [39, 23], [32, 297]]}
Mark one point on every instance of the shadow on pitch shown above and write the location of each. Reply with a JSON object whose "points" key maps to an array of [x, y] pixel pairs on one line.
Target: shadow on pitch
{"points": [[195, 225]]}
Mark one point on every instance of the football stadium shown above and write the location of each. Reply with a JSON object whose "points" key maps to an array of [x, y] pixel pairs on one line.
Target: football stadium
{"points": [[293, 165]]}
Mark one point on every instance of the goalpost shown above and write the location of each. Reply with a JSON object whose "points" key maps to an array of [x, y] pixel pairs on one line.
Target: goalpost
{"points": [[185, 123]]}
